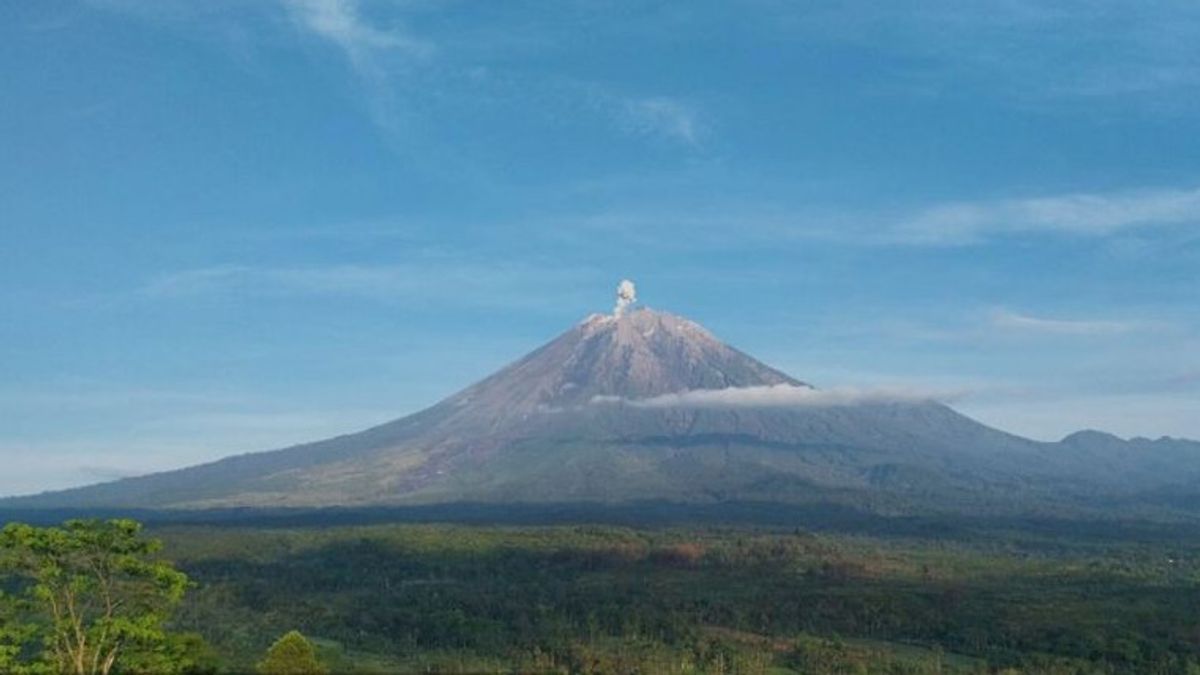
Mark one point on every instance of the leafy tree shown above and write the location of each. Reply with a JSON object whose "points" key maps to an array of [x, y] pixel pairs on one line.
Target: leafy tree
{"points": [[96, 591], [180, 653], [17, 638], [291, 654]]}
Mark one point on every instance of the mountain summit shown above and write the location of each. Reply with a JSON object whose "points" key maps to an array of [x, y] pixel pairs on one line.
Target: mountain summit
{"points": [[645, 405], [636, 354]]}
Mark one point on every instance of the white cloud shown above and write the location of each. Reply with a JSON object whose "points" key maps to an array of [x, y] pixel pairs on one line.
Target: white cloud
{"points": [[776, 396], [1078, 214], [334, 280], [661, 116], [1015, 321], [340, 22], [718, 221], [1032, 52], [366, 45], [372, 52], [417, 283]]}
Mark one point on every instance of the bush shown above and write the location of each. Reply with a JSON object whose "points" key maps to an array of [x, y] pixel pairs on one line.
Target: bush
{"points": [[292, 654]]}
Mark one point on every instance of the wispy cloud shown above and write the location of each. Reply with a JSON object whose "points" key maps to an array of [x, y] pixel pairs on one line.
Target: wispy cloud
{"points": [[1129, 404], [564, 102], [717, 221], [988, 325], [383, 56], [660, 116], [1031, 52], [410, 78], [777, 396], [1015, 321], [340, 22], [1080, 214], [379, 56], [424, 283]]}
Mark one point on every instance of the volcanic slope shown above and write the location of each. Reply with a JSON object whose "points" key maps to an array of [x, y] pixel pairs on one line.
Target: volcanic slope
{"points": [[646, 405]]}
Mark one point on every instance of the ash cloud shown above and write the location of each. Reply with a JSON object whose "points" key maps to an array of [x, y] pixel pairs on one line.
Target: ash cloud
{"points": [[626, 296]]}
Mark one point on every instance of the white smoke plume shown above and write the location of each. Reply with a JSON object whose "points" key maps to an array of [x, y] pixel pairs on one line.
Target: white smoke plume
{"points": [[626, 296]]}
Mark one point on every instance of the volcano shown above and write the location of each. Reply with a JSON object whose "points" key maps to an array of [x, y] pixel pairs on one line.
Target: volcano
{"points": [[646, 405]]}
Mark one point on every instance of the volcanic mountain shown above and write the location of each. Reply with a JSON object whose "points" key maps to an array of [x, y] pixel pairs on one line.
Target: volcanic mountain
{"points": [[646, 405]]}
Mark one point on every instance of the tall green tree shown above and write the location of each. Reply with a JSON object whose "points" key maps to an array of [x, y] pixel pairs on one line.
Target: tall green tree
{"points": [[18, 638], [96, 590], [292, 654]]}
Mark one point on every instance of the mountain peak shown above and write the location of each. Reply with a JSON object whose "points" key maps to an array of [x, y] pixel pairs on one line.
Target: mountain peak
{"points": [[635, 353], [645, 322]]}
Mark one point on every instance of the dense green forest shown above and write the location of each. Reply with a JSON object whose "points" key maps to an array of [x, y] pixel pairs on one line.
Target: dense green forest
{"points": [[579, 598], [680, 599]]}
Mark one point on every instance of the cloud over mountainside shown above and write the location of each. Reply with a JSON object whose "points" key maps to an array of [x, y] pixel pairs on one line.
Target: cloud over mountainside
{"points": [[776, 396]]}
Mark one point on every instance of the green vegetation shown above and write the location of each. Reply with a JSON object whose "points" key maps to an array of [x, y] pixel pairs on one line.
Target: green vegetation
{"points": [[292, 654], [682, 599], [692, 599], [93, 600]]}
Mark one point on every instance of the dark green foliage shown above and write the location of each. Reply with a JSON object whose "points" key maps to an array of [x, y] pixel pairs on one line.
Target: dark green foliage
{"points": [[94, 598], [291, 654], [602, 599], [18, 638], [182, 653], [700, 599]]}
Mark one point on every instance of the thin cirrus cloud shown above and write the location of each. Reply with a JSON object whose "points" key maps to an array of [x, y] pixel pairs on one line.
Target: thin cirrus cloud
{"points": [[778, 396], [1080, 214], [661, 116], [340, 22], [1008, 320], [721, 224], [1027, 50], [382, 58], [442, 283], [377, 56]]}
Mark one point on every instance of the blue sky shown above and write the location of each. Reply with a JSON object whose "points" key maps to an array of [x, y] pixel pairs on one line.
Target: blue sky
{"points": [[235, 225]]}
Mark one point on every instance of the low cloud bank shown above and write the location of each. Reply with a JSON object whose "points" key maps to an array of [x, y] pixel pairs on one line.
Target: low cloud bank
{"points": [[773, 396]]}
